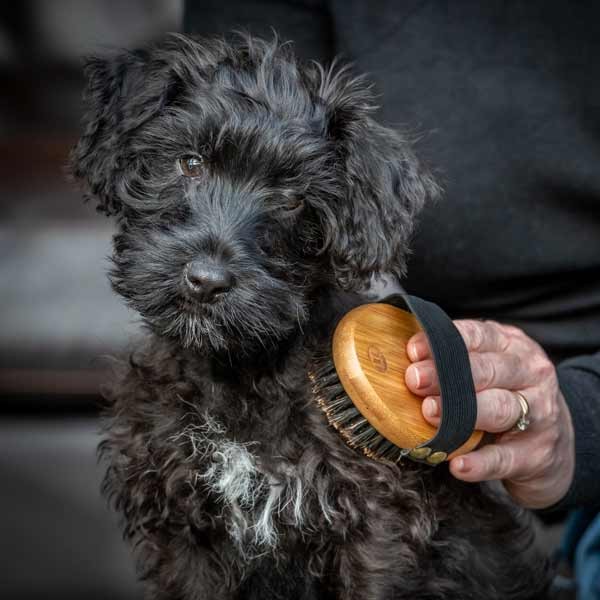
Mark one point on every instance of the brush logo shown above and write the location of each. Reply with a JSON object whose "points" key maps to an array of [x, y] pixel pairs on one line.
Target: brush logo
{"points": [[377, 358]]}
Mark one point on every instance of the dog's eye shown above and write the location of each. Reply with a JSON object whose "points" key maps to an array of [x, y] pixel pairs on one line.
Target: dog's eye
{"points": [[191, 166], [293, 206]]}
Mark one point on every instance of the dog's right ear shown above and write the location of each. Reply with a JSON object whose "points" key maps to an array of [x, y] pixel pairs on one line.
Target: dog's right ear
{"points": [[95, 159], [122, 93]]}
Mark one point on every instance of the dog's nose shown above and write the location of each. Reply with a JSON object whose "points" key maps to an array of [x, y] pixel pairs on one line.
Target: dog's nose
{"points": [[206, 280]]}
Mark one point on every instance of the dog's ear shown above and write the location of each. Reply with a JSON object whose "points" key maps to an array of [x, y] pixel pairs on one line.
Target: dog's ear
{"points": [[122, 93], [384, 187]]}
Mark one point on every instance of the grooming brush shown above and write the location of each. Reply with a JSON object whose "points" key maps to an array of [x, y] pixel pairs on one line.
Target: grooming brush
{"points": [[360, 385]]}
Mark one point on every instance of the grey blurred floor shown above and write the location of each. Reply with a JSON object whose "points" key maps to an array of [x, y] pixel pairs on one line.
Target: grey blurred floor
{"points": [[58, 539]]}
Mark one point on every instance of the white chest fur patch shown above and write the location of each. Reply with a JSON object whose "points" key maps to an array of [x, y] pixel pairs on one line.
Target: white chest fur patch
{"points": [[252, 501]]}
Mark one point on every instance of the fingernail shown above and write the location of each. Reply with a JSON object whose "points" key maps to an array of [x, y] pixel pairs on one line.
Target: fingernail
{"points": [[424, 377], [461, 465], [430, 407], [416, 351]]}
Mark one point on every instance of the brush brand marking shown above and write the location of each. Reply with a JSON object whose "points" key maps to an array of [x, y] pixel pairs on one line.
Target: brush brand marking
{"points": [[377, 358]]}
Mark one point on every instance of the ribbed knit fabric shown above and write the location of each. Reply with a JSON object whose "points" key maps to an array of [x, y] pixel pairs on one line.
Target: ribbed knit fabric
{"points": [[457, 391], [579, 380]]}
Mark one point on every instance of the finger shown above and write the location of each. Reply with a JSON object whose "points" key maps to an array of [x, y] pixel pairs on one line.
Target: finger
{"points": [[500, 370], [489, 370], [494, 461], [421, 378], [431, 410], [479, 336], [417, 347], [498, 410], [483, 336]]}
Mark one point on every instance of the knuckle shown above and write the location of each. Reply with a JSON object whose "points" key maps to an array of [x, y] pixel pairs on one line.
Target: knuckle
{"points": [[502, 463], [473, 335], [544, 457], [490, 463], [505, 414], [513, 330], [550, 412], [554, 437], [487, 370], [501, 339], [506, 464], [543, 367], [554, 414]]}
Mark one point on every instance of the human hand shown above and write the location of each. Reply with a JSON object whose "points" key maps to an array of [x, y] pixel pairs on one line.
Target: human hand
{"points": [[536, 465]]}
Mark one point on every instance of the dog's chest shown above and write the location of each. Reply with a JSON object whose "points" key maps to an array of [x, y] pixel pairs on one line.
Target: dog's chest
{"points": [[253, 451], [257, 494]]}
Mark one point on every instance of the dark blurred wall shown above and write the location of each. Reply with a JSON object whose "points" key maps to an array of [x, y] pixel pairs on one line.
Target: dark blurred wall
{"points": [[58, 315], [41, 48]]}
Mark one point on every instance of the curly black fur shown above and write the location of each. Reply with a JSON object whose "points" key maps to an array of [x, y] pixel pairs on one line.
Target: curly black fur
{"points": [[231, 483]]}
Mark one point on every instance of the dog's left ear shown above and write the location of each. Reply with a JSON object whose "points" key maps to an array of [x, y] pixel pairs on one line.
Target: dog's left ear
{"points": [[122, 93], [384, 188]]}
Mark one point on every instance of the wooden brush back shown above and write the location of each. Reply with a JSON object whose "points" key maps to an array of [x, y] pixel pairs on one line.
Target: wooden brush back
{"points": [[369, 353]]}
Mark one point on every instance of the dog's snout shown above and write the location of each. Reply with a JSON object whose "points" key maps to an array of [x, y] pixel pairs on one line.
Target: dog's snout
{"points": [[207, 280]]}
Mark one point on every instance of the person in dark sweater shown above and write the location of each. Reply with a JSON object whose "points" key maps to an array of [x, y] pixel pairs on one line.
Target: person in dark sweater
{"points": [[505, 100]]}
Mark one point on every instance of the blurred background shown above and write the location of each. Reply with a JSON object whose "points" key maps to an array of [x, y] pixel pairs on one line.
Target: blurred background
{"points": [[58, 316]]}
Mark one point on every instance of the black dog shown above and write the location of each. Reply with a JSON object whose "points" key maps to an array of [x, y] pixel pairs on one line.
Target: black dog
{"points": [[256, 197]]}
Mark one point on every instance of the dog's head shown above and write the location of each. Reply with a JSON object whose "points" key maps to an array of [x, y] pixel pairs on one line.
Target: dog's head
{"points": [[243, 182]]}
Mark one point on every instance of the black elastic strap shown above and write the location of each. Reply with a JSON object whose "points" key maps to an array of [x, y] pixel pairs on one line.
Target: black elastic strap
{"points": [[457, 391]]}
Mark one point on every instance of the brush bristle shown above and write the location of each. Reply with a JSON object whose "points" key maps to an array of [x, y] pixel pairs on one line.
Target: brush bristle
{"points": [[343, 415]]}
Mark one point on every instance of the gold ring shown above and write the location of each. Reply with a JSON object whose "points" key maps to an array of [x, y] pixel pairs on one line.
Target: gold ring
{"points": [[523, 421]]}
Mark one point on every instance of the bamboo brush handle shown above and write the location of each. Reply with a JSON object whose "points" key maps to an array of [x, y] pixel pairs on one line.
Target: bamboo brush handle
{"points": [[369, 353]]}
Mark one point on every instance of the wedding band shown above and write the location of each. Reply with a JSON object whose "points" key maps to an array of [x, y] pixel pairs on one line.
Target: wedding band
{"points": [[524, 421]]}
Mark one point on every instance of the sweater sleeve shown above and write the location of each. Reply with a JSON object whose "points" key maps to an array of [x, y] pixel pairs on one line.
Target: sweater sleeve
{"points": [[579, 380]]}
